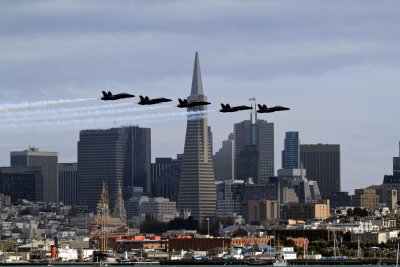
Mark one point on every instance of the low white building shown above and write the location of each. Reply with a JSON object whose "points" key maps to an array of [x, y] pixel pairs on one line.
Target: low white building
{"points": [[67, 254], [288, 253]]}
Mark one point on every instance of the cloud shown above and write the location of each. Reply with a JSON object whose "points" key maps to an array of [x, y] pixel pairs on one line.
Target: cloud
{"points": [[336, 64]]}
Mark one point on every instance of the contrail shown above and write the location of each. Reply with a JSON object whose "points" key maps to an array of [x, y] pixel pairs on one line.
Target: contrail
{"points": [[104, 122], [30, 105]]}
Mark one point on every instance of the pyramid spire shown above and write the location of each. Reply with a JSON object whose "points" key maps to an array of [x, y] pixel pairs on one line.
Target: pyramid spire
{"points": [[197, 85]]}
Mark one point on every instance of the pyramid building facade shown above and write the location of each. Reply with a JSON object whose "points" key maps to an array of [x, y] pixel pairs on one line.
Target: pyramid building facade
{"points": [[197, 191]]}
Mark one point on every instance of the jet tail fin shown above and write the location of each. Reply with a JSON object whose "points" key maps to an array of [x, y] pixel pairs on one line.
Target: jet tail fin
{"points": [[228, 106], [260, 106], [185, 101], [180, 101], [104, 93], [109, 93], [141, 98], [265, 106], [147, 98], [223, 106]]}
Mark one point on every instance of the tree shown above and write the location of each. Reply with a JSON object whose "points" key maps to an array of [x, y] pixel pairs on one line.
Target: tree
{"points": [[240, 233], [350, 212], [151, 225], [179, 223]]}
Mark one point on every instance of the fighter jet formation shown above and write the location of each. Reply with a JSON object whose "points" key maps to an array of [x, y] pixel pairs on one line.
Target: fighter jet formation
{"points": [[225, 108]]}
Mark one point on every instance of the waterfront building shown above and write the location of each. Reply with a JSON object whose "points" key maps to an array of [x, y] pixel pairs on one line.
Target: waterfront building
{"points": [[197, 183], [48, 163]]}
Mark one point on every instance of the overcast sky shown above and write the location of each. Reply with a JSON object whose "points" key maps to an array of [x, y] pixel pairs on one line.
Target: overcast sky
{"points": [[336, 64]]}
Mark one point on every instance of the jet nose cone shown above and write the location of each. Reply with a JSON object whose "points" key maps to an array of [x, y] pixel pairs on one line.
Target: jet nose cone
{"points": [[129, 95], [168, 100]]}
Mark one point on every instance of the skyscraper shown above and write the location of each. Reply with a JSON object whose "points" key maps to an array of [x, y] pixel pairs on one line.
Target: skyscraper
{"points": [[291, 153], [254, 150], [224, 161], [166, 184], [67, 174], [322, 162], [118, 156], [48, 162], [137, 159], [396, 163], [197, 184]]}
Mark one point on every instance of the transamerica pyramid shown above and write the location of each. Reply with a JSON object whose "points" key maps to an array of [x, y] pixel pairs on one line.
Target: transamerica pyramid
{"points": [[197, 184]]}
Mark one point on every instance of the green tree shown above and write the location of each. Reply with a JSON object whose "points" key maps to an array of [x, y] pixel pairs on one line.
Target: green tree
{"points": [[240, 233]]}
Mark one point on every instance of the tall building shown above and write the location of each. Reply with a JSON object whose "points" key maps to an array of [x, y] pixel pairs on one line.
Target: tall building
{"points": [[67, 174], [137, 159], [157, 168], [390, 182], [229, 197], [366, 198], [224, 161], [167, 183], [48, 163], [291, 153], [22, 183], [261, 212], [114, 156], [197, 184], [391, 202], [396, 163], [307, 191], [322, 163], [254, 150]]}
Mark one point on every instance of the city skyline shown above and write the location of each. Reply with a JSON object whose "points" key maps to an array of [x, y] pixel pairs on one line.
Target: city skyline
{"points": [[339, 81]]}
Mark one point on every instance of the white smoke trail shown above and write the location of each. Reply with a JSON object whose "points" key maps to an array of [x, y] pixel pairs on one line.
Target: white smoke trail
{"points": [[39, 104], [102, 122], [74, 112]]}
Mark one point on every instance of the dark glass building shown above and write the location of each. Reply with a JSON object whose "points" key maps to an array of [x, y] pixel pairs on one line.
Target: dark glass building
{"points": [[322, 162], [67, 175], [114, 156], [291, 153], [22, 183], [167, 183]]}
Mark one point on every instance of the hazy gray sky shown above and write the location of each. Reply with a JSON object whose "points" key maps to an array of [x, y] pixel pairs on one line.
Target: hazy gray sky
{"points": [[336, 64]]}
